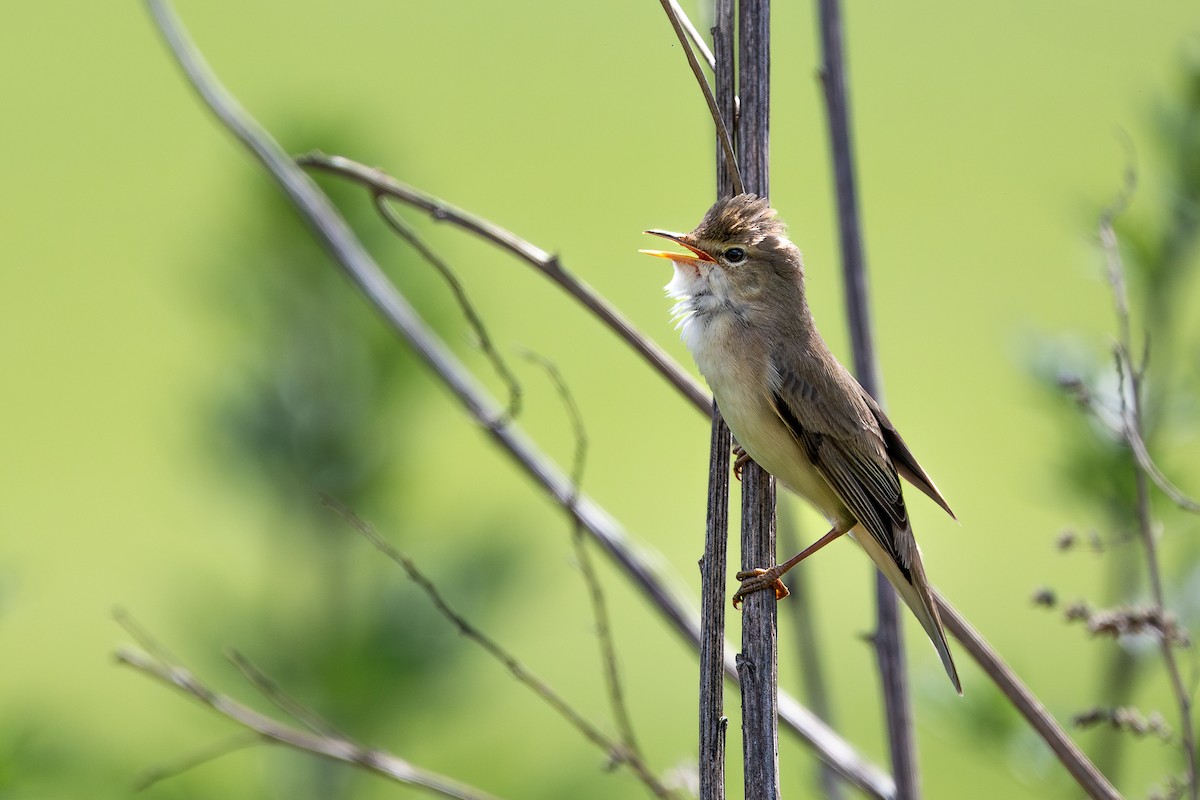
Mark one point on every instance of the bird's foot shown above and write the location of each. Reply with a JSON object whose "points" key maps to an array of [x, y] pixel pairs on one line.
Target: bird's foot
{"points": [[755, 580], [743, 458]]}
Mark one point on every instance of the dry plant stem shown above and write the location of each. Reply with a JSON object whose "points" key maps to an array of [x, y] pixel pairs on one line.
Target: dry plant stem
{"points": [[808, 651], [332, 231], [719, 123], [616, 751], [595, 592], [214, 752], [380, 183], [888, 640], [376, 761], [1183, 697], [713, 564], [759, 660], [1147, 465], [693, 35], [713, 723], [271, 690], [1132, 428], [406, 232], [1133, 425], [608, 649], [1090, 779]]}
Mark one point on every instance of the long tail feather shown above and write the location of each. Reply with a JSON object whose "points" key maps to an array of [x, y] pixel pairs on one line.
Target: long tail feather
{"points": [[916, 596]]}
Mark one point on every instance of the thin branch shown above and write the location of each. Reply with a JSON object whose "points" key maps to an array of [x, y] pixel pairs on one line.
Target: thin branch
{"points": [[378, 182], [599, 607], [608, 650], [1134, 437], [888, 640], [1128, 371], [331, 230], [731, 159], [376, 761], [406, 232], [1115, 270], [215, 751], [615, 750], [808, 650], [694, 35], [268, 688], [1134, 425], [1090, 779]]}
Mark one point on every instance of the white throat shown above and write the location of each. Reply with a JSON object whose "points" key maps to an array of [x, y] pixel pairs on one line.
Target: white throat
{"points": [[701, 294]]}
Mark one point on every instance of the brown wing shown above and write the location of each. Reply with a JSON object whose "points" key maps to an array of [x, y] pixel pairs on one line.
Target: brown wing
{"points": [[902, 457], [853, 446], [844, 441]]}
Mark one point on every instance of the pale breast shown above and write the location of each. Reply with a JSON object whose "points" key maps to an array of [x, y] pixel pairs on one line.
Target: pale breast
{"points": [[737, 372]]}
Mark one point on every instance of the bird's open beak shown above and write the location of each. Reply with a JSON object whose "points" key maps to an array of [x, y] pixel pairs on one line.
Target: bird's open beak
{"points": [[678, 238]]}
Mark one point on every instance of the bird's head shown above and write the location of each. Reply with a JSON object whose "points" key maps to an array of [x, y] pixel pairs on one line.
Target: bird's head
{"points": [[739, 254]]}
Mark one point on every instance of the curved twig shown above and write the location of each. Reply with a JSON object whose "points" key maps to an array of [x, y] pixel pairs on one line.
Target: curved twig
{"points": [[735, 174], [380, 183], [406, 232], [1133, 423], [377, 761], [618, 752]]}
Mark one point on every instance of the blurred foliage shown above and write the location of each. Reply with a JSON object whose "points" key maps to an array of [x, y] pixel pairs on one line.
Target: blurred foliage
{"points": [[320, 399], [314, 376], [1159, 250]]}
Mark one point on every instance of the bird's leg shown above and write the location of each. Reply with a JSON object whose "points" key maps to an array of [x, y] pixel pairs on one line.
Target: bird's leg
{"points": [[743, 458], [755, 580]]}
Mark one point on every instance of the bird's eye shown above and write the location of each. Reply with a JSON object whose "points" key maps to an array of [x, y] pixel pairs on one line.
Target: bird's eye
{"points": [[735, 255]]}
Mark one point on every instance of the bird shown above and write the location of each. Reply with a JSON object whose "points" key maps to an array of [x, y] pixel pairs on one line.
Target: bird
{"points": [[791, 405]]}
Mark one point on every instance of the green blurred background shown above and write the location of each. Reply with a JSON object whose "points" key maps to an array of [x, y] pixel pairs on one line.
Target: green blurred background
{"points": [[184, 371]]}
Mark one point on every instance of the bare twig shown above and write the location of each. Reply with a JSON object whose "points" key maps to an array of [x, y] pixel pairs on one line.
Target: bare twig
{"points": [[599, 607], [1130, 374], [269, 689], [808, 651], [1134, 437], [616, 751], [406, 232], [159, 663], [731, 160], [888, 641], [332, 231], [1115, 270], [376, 761], [215, 751], [608, 650], [1128, 371], [378, 182], [694, 35]]}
